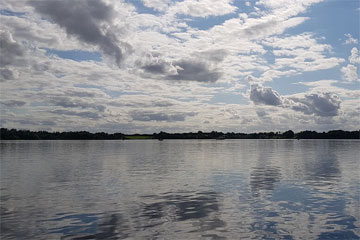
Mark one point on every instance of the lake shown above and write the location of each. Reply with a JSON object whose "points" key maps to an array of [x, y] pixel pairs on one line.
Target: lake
{"points": [[180, 189]]}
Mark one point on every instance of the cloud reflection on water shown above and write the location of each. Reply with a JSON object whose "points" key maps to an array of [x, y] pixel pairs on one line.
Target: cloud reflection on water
{"points": [[199, 189]]}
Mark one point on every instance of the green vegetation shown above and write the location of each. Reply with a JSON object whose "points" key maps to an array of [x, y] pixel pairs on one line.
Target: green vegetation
{"points": [[13, 134]]}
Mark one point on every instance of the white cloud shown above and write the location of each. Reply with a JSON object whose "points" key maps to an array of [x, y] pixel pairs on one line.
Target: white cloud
{"points": [[301, 52], [350, 72], [350, 39], [159, 5], [203, 8], [354, 57]]}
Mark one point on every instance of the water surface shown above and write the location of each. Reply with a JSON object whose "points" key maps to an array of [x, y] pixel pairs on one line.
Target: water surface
{"points": [[180, 189]]}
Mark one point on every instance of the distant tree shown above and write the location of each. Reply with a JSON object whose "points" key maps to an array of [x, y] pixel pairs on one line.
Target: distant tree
{"points": [[288, 134]]}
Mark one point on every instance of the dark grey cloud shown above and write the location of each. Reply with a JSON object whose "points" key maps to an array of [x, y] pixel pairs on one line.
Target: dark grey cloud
{"points": [[264, 95], [159, 117], [88, 20], [193, 70], [156, 68], [154, 63], [84, 114], [66, 102], [200, 67], [7, 74], [319, 104], [13, 103]]}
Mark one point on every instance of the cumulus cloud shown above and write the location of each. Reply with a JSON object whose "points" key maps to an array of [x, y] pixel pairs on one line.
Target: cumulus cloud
{"points": [[88, 20], [159, 117], [354, 57], [264, 95], [350, 72], [319, 104]]}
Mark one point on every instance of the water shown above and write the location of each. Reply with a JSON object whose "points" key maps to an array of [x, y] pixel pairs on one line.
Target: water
{"points": [[180, 189]]}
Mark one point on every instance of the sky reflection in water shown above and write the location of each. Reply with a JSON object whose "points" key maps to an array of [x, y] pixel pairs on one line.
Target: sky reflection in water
{"points": [[248, 189]]}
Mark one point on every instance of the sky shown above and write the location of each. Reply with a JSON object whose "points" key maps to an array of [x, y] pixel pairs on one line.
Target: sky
{"points": [[145, 66]]}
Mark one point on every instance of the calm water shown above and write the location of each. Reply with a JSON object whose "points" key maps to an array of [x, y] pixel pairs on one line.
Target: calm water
{"points": [[180, 189]]}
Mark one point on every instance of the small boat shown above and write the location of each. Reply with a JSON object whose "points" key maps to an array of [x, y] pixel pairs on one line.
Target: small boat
{"points": [[160, 139], [220, 138]]}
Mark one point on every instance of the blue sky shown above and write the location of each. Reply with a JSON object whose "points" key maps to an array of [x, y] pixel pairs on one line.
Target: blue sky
{"points": [[148, 66]]}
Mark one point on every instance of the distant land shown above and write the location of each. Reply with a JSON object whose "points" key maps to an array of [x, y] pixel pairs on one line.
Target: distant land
{"points": [[14, 134]]}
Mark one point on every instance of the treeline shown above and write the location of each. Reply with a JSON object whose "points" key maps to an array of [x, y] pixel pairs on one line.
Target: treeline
{"points": [[13, 134], [334, 134]]}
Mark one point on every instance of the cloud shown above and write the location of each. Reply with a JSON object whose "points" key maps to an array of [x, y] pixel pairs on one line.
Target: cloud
{"points": [[84, 114], [264, 95], [289, 7], [142, 101], [350, 72], [261, 113], [301, 52], [159, 5], [76, 103], [200, 67], [215, 56], [193, 70], [350, 39], [11, 51], [159, 117], [354, 57], [88, 20], [154, 63], [320, 104], [8, 74], [12, 54], [13, 103], [203, 8]]}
